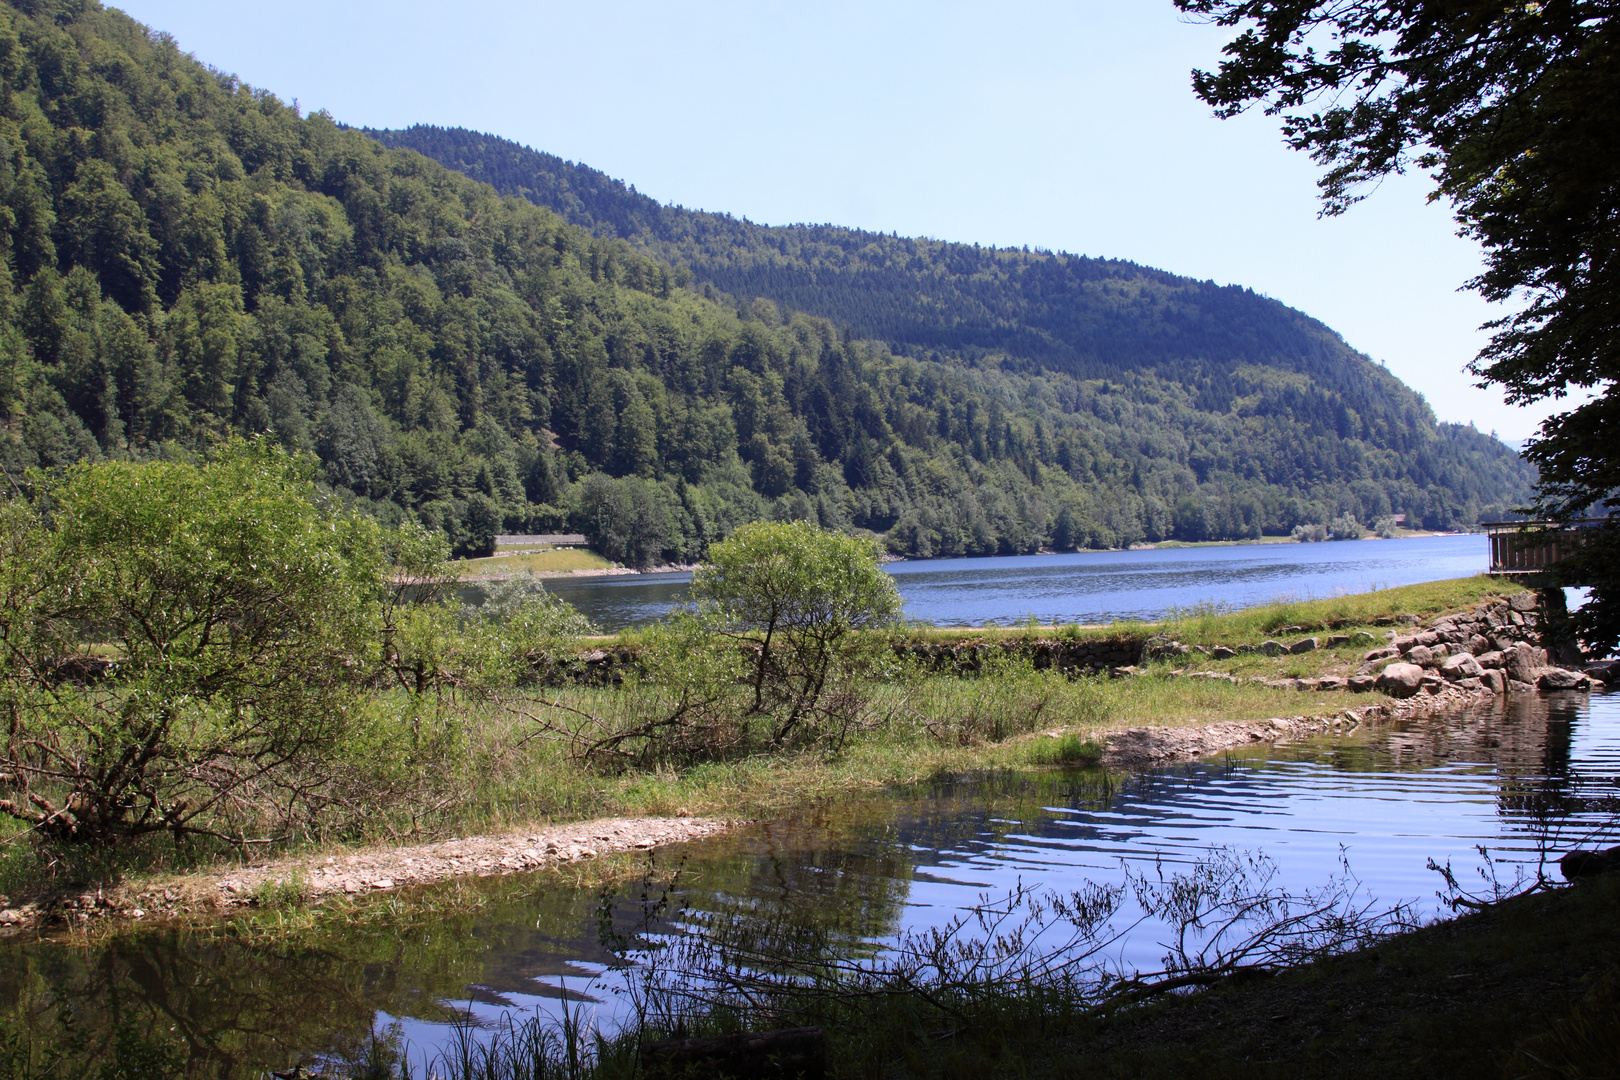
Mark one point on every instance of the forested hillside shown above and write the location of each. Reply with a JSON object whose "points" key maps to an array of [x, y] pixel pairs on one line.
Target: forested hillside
{"points": [[186, 257], [1093, 318]]}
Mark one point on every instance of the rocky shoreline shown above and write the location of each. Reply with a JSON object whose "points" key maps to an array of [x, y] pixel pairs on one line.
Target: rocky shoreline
{"points": [[312, 879]]}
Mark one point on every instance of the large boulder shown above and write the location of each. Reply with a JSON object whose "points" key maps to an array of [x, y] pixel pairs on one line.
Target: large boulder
{"points": [[1360, 684], [1494, 679], [1421, 655], [1489, 660], [1273, 648], [1461, 666], [1524, 663], [1606, 670], [1387, 653], [1401, 680], [1303, 645], [1559, 679], [1524, 602]]}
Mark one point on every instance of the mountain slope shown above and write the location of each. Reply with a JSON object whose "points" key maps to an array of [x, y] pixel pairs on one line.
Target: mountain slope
{"points": [[184, 258], [1093, 318]]}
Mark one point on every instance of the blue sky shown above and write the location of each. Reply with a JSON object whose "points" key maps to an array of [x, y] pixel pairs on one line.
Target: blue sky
{"points": [[1064, 125]]}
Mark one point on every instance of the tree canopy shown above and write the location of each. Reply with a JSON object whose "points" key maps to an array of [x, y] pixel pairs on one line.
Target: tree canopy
{"points": [[1515, 110], [186, 258]]}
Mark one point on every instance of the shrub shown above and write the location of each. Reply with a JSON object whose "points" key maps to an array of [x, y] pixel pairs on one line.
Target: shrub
{"points": [[794, 596], [1345, 527], [182, 644]]}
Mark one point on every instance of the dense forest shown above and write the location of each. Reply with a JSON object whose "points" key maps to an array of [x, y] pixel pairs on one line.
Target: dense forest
{"points": [[185, 257]]}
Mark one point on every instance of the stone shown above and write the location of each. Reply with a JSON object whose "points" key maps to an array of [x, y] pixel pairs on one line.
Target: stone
{"points": [[1400, 680], [1469, 684], [10, 917], [1361, 684], [1273, 648], [1121, 672], [1478, 643], [1517, 687], [1403, 645], [1303, 645], [1362, 635], [1335, 640], [1606, 670], [1494, 681], [1524, 662], [1421, 655], [1410, 620], [1331, 682], [1489, 660], [1559, 679], [1221, 652], [1523, 601], [1385, 653], [1461, 666]]}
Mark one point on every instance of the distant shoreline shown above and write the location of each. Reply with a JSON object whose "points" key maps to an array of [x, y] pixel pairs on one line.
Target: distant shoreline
{"points": [[1168, 545]]}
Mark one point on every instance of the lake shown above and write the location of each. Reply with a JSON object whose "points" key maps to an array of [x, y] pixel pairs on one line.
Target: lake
{"points": [[1533, 777], [1096, 586]]}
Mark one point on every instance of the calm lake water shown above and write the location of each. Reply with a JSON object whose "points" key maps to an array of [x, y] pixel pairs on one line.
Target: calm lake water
{"points": [[1096, 586], [1542, 771]]}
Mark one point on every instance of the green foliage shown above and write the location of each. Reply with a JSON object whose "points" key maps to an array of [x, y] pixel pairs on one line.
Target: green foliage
{"points": [[1069, 750], [211, 262], [1512, 108], [1345, 527], [519, 631], [1244, 403], [235, 615], [796, 596]]}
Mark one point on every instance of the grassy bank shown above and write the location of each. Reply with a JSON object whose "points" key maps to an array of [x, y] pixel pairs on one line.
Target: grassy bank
{"points": [[496, 768], [1529, 988], [558, 560]]}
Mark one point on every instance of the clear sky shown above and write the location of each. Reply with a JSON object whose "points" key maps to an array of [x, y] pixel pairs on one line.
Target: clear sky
{"points": [[1063, 124]]}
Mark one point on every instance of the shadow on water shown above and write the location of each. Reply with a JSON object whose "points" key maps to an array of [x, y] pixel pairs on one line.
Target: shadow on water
{"points": [[856, 871]]}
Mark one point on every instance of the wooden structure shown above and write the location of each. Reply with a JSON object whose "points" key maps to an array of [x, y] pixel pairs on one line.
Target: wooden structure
{"points": [[1523, 549], [547, 539]]}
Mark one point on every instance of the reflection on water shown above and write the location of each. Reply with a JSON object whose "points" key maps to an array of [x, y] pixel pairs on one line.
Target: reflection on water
{"points": [[1094, 586], [861, 870]]}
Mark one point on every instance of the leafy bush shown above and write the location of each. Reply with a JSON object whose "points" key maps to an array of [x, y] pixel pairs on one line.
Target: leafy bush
{"points": [[794, 595], [1345, 527], [179, 641]]}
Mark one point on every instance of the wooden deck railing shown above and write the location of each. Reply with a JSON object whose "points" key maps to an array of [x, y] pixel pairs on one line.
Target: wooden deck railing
{"points": [[1533, 547]]}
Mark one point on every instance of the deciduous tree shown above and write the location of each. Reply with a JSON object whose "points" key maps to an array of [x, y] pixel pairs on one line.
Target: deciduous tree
{"points": [[1515, 110]]}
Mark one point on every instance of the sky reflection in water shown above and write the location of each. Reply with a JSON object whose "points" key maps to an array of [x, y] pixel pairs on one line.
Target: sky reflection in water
{"points": [[1096, 586]]}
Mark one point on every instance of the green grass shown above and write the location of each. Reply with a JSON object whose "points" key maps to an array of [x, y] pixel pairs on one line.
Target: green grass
{"points": [[556, 560], [915, 727]]}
